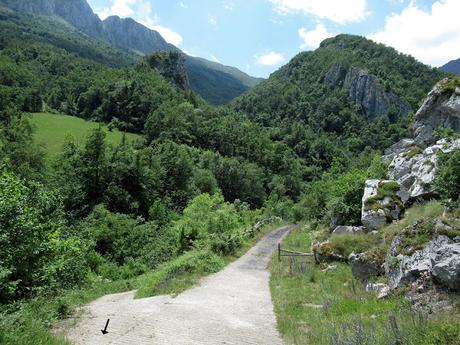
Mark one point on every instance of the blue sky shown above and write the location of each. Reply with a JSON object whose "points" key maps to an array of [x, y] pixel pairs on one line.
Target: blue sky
{"points": [[258, 36]]}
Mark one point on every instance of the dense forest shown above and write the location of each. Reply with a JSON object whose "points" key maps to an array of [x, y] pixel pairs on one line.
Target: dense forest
{"points": [[293, 147]]}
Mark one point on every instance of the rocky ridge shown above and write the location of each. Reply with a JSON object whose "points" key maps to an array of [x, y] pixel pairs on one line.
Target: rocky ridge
{"points": [[413, 161], [365, 89], [424, 256]]}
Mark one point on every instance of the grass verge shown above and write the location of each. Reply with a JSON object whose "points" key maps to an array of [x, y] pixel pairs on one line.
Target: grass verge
{"points": [[330, 308]]}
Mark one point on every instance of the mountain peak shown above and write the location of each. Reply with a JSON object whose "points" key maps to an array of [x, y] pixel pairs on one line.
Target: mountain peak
{"points": [[76, 12], [452, 67], [129, 34]]}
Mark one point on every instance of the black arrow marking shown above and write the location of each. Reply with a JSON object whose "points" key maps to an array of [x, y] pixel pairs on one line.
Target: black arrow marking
{"points": [[104, 331]]}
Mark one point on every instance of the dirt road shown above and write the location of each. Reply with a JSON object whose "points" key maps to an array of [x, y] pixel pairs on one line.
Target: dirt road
{"points": [[230, 307]]}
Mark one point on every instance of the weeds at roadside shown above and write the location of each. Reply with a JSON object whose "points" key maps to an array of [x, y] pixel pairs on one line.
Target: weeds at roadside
{"points": [[347, 315]]}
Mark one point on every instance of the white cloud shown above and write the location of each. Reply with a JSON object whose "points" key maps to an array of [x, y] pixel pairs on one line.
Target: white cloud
{"points": [[181, 4], [227, 5], [213, 58], [339, 11], [212, 21], [270, 59], [121, 8], [169, 35], [431, 35], [313, 38]]}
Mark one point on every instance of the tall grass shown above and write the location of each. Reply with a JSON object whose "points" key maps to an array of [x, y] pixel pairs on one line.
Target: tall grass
{"points": [[319, 307]]}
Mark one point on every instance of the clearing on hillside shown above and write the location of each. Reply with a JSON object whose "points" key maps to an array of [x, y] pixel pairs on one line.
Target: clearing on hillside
{"points": [[53, 129]]}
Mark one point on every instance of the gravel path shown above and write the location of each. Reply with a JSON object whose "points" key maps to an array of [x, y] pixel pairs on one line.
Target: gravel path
{"points": [[232, 306]]}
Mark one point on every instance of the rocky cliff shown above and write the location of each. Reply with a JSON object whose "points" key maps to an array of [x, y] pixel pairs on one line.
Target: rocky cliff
{"points": [[216, 83], [365, 89], [78, 13], [171, 65], [413, 161], [441, 109], [127, 33]]}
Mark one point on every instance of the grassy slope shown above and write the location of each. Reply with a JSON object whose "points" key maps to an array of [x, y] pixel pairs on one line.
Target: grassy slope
{"points": [[52, 131], [315, 307]]}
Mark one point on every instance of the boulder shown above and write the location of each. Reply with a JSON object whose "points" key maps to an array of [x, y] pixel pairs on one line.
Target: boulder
{"points": [[382, 203], [415, 169], [381, 290], [342, 229], [440, 258], [326, 252], [401, 146], [446, 267], [440, 109], [364, 268]]}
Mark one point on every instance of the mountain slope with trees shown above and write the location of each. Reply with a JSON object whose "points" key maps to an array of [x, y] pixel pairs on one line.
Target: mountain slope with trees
{"points": [[321, 117], [452, 67], [298, 146], [216, 83]]}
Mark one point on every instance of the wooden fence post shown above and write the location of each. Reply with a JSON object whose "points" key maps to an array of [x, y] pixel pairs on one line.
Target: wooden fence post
{"points": [[279, 251]]}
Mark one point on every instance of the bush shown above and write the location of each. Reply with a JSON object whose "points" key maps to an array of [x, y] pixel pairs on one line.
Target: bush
{"points": [[209, 222], [120, 239], [37, 253], [447, 177]]}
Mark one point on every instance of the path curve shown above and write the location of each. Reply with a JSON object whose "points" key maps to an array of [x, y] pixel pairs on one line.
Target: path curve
{"points": [[232, 306]]}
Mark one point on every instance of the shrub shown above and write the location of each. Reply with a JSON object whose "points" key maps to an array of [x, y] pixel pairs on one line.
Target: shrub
{"points": [[209, 222], [447, 177], [120, 239], [37, 252]]}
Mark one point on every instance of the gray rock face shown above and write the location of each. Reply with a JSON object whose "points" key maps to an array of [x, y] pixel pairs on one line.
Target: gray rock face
{"points": [[440, 109], [440, 258], [365, 89], [342, 229], [76, 12], [400, 147], [381, 290], [363, 268], [377, 211], [415, 169], [127, 32]]}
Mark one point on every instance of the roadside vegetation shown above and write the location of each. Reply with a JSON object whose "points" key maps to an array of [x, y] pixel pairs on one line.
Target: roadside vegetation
{"points": [[99, 212], [317, 306]]}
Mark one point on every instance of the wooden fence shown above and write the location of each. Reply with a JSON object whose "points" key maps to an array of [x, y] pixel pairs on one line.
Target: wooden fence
{"points": [[285, 252]]}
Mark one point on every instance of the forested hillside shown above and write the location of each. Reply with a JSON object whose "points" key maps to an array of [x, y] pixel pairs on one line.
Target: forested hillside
{"points": [[216, 83], [452, 67], [321, 117], [181, 199]]}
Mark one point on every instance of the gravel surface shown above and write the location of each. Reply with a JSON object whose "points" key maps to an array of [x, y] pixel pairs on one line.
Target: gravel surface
{"points": [[232, 306]]}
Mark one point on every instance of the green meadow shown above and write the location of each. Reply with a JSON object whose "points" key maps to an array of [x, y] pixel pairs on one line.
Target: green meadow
{"points": [[51, 131]]}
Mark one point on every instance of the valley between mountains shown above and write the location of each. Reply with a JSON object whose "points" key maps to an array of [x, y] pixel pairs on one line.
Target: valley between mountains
{"points": [[145, 186]]}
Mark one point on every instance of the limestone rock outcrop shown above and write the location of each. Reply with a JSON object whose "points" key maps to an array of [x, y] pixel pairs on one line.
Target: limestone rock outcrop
{"points": [[440, 258], [365, 89], [364, 268], [342, 229], [440, 109], [383, 202], [415, 169]]}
